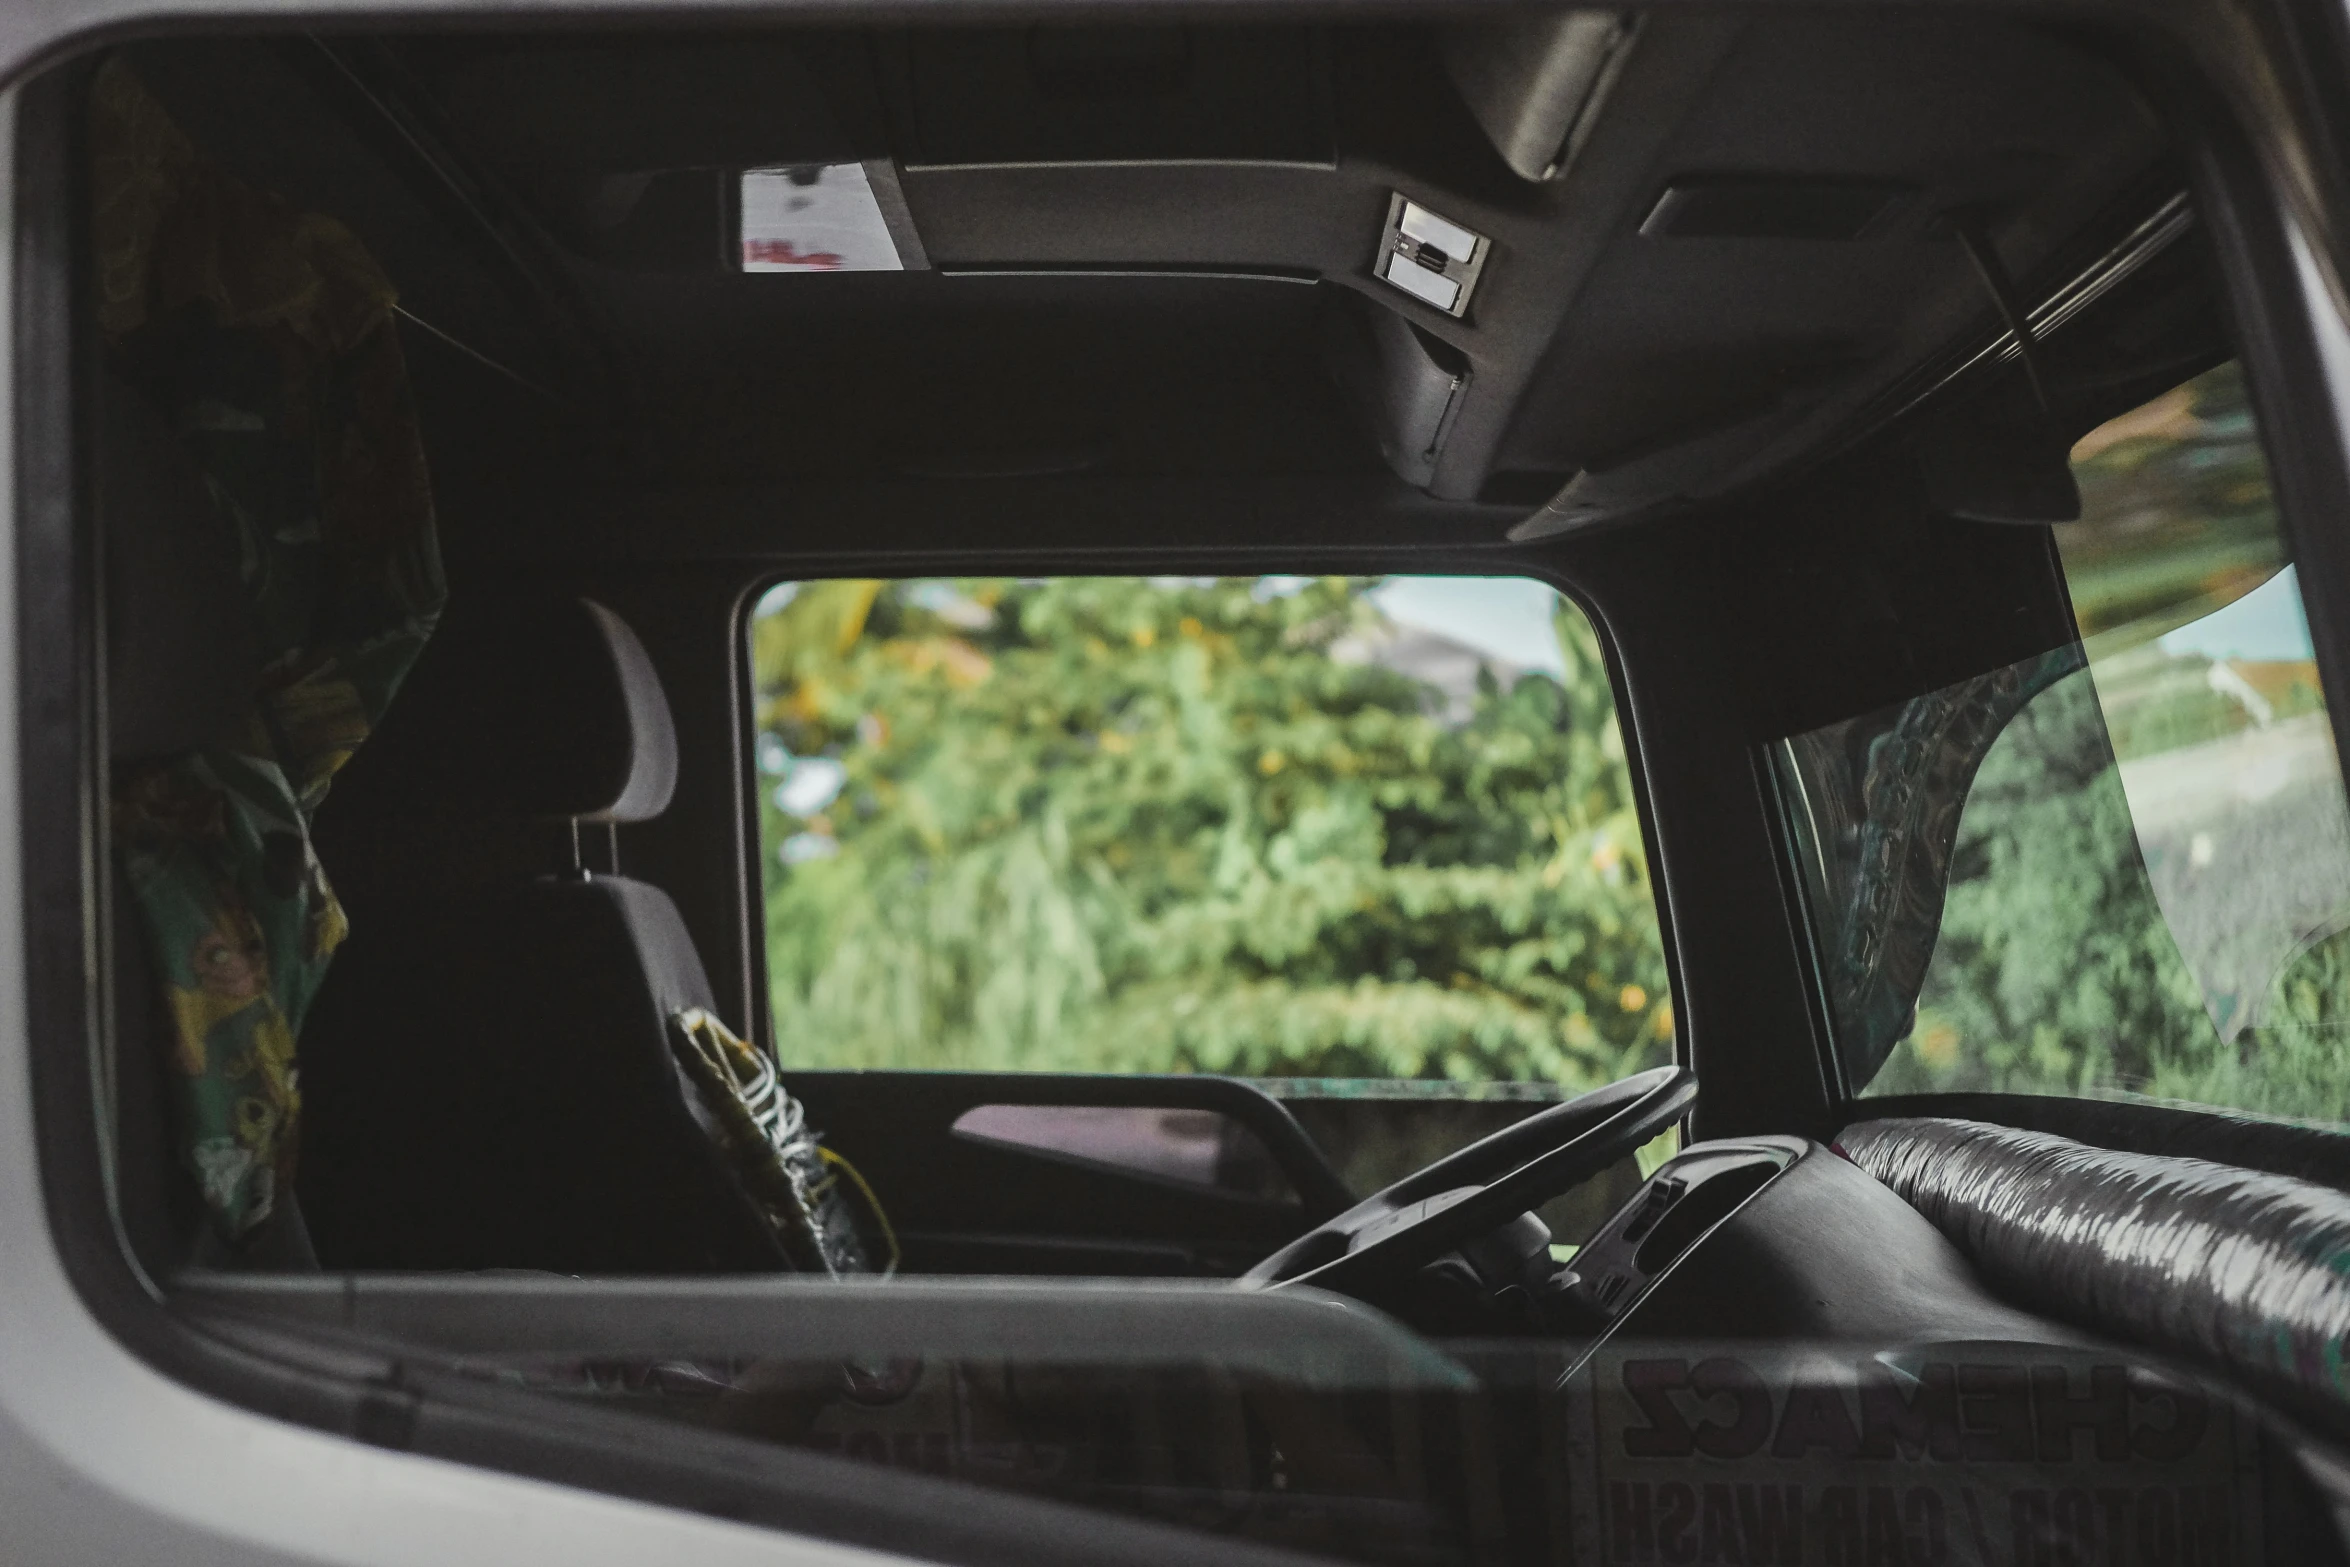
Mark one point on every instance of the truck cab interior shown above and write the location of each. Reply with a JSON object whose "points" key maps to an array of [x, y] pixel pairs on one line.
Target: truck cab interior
{"points": [[441, 405]]}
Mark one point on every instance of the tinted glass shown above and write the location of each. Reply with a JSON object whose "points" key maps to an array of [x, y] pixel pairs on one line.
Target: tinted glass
{"points": [[2123, 866]]}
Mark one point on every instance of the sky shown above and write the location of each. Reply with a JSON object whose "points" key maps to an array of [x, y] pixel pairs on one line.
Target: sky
{"points": [[1506, 618], [2265, 624]]}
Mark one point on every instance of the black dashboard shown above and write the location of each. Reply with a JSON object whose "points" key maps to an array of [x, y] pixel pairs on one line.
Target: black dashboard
{"points": [[1779, 1238]]}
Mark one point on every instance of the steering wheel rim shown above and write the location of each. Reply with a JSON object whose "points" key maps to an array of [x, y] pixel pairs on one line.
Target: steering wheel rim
{"points": [[1467, 1193]]}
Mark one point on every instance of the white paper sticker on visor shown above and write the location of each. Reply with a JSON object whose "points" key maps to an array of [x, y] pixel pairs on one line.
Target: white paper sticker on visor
{"points": [[814, 218]]}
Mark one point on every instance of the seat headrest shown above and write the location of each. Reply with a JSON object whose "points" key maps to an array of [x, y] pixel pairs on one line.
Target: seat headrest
{"points": [[182, 659], [539, 707]]}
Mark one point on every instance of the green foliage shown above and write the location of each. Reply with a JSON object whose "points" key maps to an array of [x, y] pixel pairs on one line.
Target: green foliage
{"points": [[2294, 1063], [2058, 974], [2055, 971], [1109, 824]]}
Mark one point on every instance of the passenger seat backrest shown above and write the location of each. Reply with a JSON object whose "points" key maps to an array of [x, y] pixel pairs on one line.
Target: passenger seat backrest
{"points": [[487, 1073]]}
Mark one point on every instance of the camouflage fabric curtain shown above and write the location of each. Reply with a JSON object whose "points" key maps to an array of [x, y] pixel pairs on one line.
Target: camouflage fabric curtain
{"points": [[1882, 795], [266, 333]]}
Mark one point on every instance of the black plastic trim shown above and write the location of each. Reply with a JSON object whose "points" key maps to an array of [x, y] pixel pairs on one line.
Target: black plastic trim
{"points": [[1795, 898]]}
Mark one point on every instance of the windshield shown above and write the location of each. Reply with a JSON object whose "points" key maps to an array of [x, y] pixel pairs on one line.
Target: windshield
{"points": [[2121, 866]]}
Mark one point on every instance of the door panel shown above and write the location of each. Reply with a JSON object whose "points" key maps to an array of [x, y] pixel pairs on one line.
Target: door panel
{"points": [[996, 1196]]}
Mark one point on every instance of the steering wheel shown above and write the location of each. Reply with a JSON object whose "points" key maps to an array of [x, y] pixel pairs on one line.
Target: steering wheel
{"points": [[1387, 1236]]}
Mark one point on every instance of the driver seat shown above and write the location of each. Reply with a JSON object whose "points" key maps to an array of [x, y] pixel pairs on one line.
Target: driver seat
{"points": [[487, 1072]]}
